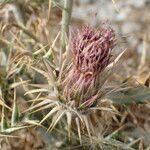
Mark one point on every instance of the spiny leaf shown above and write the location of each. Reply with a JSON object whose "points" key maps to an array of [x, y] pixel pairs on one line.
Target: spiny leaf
{"points": [[112, 134], [7, 136], [56, 119], [51, 76], [69, 119], [44, 107], [16, 84], [32, 122], [133, 142], [55, 109], [87, 126], [115, 61], [118, 144], [3, 104], [78, 128], [52, 46], [40, 71], [102, 109], [15, 115], [15, 112], [36, 91], [40, 50], [42, 103], [134, 95], [12, 129], [4, 124]]}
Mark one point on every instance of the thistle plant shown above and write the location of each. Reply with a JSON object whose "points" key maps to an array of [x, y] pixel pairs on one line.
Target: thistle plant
{"points": [[62, 84], [76, 89], [91, 50]]}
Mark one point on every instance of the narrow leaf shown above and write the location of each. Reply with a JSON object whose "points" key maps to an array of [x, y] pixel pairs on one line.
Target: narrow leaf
{"points": [[69, 119], [78, 128], [134, 95], [55, 109]]}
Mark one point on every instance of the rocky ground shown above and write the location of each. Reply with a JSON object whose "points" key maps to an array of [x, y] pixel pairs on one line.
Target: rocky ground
{"points": [[130, 18]]}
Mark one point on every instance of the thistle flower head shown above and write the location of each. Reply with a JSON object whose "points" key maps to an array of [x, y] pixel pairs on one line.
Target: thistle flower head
{"points": [[91, 50]]}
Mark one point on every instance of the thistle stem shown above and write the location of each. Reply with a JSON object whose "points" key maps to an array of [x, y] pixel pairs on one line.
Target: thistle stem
{"points": [[66, 16]]}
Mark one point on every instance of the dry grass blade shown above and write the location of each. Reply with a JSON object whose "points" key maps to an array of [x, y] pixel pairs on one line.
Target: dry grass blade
{"points": [[52, 46], [69, 120], [36, 91], [7, 43], [87, 126], [51, 76], [114, 133], [133, 142], [40, 71], [78, 128], [16, 84], [8, 136], [61, 72], [49, 8], [78, 114], [42, 49], [45, 102], [3, 104], [29, 33], [33, 122], [12, 71], [54, 110], [115, 61], [44, 86], [118, 144], [144, 52], [102, 109], [3, 121], [44, 107], [116, 6], [12, 129], [15, 112], [56, 119], [18, 41]]}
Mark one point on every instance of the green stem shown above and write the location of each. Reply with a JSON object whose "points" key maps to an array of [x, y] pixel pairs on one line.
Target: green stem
{"points": [[66, 16]]}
